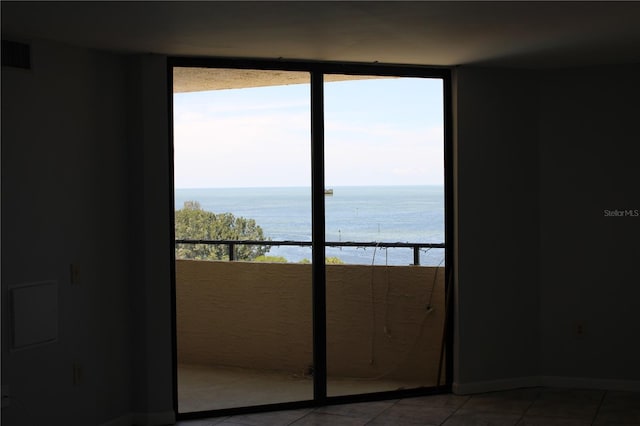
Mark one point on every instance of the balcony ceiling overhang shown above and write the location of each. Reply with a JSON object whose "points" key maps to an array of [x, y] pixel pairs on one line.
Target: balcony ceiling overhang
{"points": [[205, 79]]}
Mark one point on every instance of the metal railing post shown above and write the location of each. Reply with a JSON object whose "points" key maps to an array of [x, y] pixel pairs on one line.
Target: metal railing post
{"points": [[232, 251], [416, 255]]}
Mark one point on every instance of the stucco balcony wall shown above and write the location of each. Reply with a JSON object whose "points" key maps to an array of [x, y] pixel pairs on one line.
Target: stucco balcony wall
{"points": [[258, 315]]}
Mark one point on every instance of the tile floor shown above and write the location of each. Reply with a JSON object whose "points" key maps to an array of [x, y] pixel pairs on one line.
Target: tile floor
{"points": [[530, 407]]}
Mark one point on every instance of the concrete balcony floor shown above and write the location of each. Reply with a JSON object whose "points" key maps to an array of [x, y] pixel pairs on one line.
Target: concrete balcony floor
{"points": [[202, 388]]}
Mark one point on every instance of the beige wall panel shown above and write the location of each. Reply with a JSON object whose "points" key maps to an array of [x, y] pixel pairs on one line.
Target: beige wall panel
{"points": [[258, 315]]}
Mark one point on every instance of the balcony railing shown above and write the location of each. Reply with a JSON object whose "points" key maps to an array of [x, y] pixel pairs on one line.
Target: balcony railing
{"points": [[231, 244]]}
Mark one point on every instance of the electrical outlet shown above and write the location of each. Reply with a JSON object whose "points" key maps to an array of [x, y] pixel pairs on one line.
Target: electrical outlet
{"points": [[579, 328], [6, 398], [77, 374], [74, 273]]}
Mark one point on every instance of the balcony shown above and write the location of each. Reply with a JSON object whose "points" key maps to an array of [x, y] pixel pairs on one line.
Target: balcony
{"points": [[244, 331]]}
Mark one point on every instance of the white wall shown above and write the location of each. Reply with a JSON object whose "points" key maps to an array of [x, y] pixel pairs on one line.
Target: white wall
{"points": [[85, 180], [64, 185], [151, 204], [497, 228], [540, 156], [589, 162]]}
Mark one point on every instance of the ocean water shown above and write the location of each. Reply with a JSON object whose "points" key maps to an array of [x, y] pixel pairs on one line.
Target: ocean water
{"points": [[412, 214]]}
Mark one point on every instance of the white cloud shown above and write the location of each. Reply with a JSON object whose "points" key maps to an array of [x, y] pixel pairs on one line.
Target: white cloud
{"points": [[271, 149], [240, 141]]}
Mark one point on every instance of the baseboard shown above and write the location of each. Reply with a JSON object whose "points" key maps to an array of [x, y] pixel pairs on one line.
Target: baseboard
{"points": [[125, 420], [546, 381], [590, 383], [154, 419], [143, 419], [494, 385]]}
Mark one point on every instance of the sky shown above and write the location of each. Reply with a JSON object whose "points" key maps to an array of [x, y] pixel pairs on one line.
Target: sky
{"points": [[377, 132]]}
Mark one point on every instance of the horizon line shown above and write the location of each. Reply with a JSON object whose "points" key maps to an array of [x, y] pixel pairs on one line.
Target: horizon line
{"points": [[308, 186]]}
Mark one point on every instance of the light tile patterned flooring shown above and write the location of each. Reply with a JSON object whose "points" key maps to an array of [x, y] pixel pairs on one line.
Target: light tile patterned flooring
{"points": [[527, 407]]}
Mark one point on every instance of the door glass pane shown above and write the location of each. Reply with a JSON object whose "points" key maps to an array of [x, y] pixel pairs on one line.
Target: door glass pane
{"points": [[384, 179], [242, 173]]}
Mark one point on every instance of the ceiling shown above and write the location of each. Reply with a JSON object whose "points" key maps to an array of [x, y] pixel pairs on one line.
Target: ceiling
{"points": [[513, 34]]}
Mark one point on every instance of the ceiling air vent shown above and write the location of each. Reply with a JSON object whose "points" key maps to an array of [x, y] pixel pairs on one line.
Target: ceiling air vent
{"points": [[17, 55]]}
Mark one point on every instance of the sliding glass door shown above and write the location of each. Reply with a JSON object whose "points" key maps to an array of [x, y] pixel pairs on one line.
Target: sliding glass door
{"points": [[384, 211], [310, 232], [242, 186]]}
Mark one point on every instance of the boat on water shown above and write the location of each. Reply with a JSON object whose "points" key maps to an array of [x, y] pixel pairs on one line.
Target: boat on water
{"points": [[328, 192]]}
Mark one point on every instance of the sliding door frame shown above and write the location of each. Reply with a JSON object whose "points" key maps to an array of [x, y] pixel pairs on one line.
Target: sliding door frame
{"points": [[317, 70]]}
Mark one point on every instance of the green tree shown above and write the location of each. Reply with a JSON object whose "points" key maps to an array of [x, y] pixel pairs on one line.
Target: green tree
{"points": [[271, 259], [327, 260], [193, 223]]}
